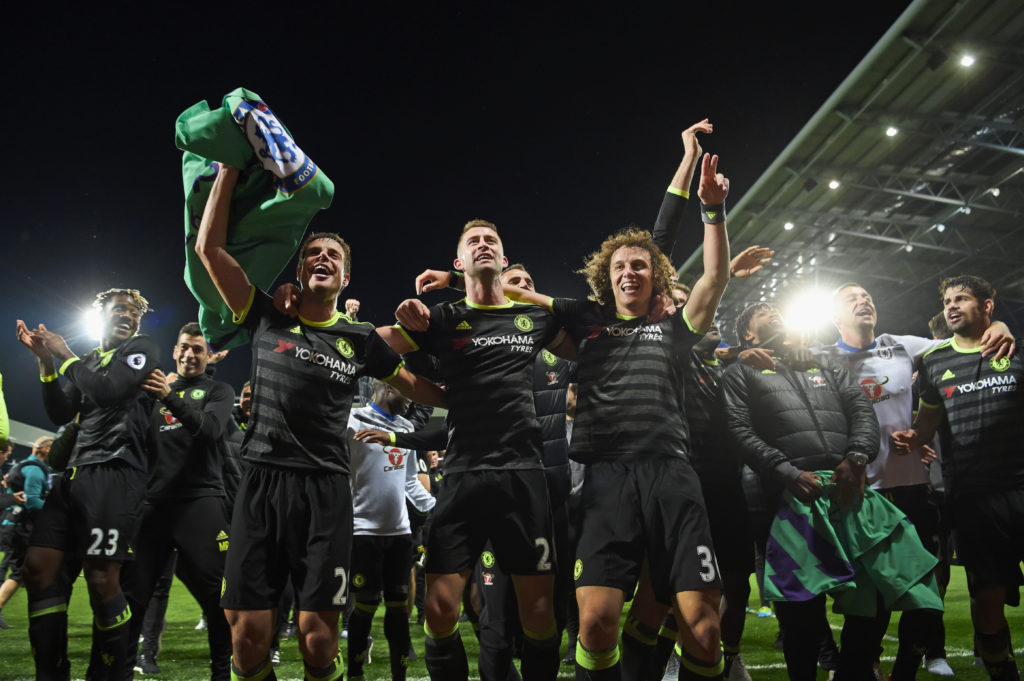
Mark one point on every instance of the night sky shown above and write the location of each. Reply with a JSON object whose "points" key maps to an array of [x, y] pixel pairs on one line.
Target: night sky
{"points": [[559, 122]]}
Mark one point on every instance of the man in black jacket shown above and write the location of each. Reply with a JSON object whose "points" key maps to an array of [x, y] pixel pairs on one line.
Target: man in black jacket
{"points": [[789, 422], [184, 506]]}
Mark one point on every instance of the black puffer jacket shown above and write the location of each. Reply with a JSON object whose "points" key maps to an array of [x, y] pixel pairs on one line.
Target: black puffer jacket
{"points": [[551, 378], [784, 422]]}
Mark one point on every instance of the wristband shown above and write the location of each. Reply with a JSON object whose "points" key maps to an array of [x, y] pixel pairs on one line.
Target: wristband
{"points": [[456, 280], [713, 214], [49, 378], [68, 362]]}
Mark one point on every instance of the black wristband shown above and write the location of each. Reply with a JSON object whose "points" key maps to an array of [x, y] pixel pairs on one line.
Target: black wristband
{"points": [[713, 214], [456, 280]]}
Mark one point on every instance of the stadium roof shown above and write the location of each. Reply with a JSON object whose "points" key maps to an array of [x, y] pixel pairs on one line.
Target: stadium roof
{"points": [[925, 139]]}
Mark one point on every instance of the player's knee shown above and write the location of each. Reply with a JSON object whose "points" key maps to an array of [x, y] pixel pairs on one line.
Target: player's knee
{"points": [[442, 613], [537, 613], [319, 646], [102, 579], [599, 629], [707, 633], [34, 575]]}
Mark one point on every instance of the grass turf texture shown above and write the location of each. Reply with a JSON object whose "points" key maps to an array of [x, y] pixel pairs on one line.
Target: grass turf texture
{"points": [[184, 655]]}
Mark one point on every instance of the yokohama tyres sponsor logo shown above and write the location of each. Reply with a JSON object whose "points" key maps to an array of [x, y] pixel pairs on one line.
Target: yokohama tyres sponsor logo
{"points": [[998, 384], [510, 339]]}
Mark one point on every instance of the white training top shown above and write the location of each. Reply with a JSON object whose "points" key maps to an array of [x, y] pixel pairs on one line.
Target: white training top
{"points": [[382, 476], [885, 372]]}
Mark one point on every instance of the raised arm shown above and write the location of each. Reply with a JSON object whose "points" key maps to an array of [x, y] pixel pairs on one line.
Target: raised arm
{"points": [[670, 216], [707, 292], [227, 275]]}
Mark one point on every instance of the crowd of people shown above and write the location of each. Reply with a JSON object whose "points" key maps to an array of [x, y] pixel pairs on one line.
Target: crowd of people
{"points": [[595, 453]]}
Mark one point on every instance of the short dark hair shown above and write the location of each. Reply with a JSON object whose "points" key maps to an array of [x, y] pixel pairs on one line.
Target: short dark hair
{"points": [[516, 266], [979, 288], [133, 294], [939, 327], [743, 321], [472, 224], [346, 267], [190, 329]]}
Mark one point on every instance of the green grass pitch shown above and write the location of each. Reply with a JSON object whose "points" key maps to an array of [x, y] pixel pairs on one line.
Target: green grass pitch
{"points": [[184, 653]]}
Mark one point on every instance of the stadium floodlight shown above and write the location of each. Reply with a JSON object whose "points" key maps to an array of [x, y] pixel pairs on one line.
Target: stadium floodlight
{"points": [[788, 226], [808, 311], [940, 227], [834, 184], [92, 324], [892, 131], [967, 60]]}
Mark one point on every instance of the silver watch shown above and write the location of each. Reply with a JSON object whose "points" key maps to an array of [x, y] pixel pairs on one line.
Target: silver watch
{"points": [[857, 459]]}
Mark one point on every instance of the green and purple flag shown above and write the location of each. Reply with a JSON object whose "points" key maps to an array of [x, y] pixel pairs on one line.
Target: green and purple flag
{"points": [[279, 191]]}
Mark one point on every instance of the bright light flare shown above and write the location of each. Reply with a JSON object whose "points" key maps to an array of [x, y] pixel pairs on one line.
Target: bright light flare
{"points": [[834, 184], [92, 324], [892, 131], [967, 60], [808, 311]]}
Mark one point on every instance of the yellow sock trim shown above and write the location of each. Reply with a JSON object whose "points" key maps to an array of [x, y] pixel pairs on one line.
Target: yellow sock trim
{"points": [[542, 635], [596, 660], [700, 667], [450, 632], [634, 629], [262, 672], [337, 671]]}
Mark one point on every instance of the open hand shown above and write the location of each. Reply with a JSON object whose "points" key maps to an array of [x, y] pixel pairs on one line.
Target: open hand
{"points": [[432, 280], [373, 436], [750, 260]]}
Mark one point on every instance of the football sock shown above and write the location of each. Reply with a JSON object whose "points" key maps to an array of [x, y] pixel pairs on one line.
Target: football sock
{"points": [[359, 624], [111, 634], [48, 633], [332, 672], [540, 653], [663, 649], [597, 665], [997, 654], [692, 669], [396, 630], [445, 655], [263, 672], [638, 645]]}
